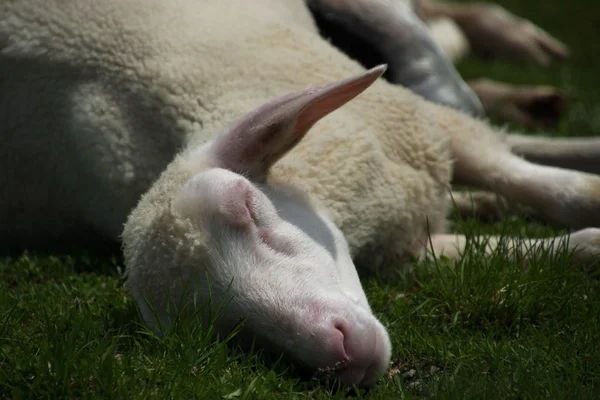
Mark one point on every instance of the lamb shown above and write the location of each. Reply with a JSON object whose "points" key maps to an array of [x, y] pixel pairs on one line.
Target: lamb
{"points": [[263, 179], [491, 31], [421, 39]]}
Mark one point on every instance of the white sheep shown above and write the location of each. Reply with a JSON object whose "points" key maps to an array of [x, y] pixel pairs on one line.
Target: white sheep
{"points": [[110, 106], [490, 30], [487, 29], [420, 39]]}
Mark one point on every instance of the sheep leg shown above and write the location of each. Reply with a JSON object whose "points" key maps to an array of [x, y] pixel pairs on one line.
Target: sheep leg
{"points": [[494, 32], [581, 153], [534, 107], [479, 204], [585, 245], [450, 38], [565, 196], [488, 206], [403, 39]]}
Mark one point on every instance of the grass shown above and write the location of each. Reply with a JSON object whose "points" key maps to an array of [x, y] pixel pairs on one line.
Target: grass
{"points": [[485, 328]]}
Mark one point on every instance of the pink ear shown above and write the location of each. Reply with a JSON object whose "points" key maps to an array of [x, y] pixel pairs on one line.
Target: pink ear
{"points": [[263, 136]]}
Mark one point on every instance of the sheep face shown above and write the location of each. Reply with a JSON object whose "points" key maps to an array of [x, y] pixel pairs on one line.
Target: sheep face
{"points": [[278, 263], [285, 270]]}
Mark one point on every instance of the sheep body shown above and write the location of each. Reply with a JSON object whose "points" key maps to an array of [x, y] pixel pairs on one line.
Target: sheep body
{"points": [[131, 108], [117, 110]]}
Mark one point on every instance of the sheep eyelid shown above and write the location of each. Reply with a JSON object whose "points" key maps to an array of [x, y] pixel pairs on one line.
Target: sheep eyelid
{"points": [[250, 207], [265, 235]]}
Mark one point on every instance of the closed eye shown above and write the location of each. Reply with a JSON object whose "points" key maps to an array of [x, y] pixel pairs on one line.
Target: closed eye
{"points": [[266, 236], [250, 207]]}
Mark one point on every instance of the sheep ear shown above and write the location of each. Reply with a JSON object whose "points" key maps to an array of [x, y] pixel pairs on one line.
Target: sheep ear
{"points": [[255, 142]]}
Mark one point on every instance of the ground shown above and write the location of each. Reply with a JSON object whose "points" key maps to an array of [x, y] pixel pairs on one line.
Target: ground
{"points": [[485, 328]]}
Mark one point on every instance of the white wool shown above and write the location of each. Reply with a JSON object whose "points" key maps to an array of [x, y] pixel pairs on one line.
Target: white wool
{"points": [[106, 102]]}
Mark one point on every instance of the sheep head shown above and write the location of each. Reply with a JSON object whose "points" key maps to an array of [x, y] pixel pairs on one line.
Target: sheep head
{"points": [[277, 261]]}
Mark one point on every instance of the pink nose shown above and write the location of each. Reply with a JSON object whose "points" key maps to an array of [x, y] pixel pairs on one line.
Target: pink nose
{"points": [[339, 335], [359, 351]]}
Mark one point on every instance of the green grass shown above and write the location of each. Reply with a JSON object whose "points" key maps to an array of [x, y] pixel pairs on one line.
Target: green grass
{"points": [[485, 328]]}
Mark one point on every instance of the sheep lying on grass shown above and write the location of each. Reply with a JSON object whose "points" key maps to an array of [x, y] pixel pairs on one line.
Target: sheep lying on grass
{"points": [[179, 115], [421, 39], [490, 31]]}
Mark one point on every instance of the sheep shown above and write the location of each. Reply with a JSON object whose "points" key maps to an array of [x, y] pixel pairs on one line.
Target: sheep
{"points": [[421, 39], [403, 39], [491, 31], [251, 162]]}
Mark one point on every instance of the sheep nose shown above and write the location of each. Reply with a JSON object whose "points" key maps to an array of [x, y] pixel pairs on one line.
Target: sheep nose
{"points": [[339, 341], [339, 335], [359, 351]]}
